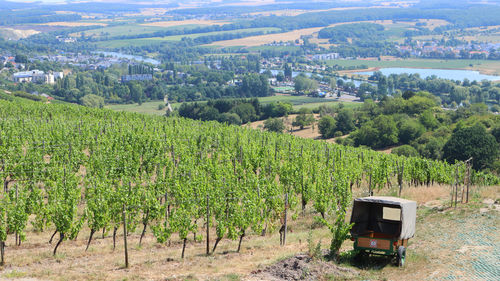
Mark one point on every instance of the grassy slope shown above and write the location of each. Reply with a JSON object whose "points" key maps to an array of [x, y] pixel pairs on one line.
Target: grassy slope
{"points": [[445, 241]]}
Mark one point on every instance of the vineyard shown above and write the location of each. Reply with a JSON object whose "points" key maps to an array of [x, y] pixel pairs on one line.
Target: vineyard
{"points": [[67, 169]]}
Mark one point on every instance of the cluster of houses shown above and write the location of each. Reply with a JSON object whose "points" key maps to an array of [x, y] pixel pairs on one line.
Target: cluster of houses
{"points": [[435, 48], [37, 76]]}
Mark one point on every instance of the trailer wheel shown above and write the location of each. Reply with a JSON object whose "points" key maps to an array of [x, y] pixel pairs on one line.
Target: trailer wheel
{"points": [[401, 256]]}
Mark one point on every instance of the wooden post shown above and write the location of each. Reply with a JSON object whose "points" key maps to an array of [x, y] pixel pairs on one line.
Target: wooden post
{"points": [[208, 225], [370, 184], [2, 253], [468, 178], [400, 178], [456, 186], [286, 214], [16, 231], [125, 235]]}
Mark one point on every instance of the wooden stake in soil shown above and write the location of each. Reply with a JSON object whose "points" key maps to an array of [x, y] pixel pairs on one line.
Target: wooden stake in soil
{"points": [[2, 253], [286, 213], [125, 236], [208, 225]]}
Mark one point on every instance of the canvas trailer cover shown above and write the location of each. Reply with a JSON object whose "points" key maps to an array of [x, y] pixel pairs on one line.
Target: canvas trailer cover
{"points": [[368, 212]]}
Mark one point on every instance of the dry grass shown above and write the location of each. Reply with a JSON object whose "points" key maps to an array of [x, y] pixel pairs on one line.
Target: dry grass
{"points": [[16, 34], [424, 194], [309, 132], [184, 22], [153, 261], [490, 192]]}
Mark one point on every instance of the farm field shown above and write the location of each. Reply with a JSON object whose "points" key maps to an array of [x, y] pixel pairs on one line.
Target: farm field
{"points": [[445, 238], [483, 66], [185, 22], [151, 107], [159, 40], [106, 170], [395, 29], [259, 40], [128, 29]]}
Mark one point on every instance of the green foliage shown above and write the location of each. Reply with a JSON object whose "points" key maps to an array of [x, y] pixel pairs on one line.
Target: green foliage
{"points": [[379, 133], [475, 142], [327, 126], [274, 125], [409, 130], [305, 85], [92, 101], [314, 251], [345, 121], [304, 118], [354, 31], [405, 150]]}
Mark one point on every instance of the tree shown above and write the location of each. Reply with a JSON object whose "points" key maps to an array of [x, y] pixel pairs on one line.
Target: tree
{"points": [[409, 130], [274, 125], [92, 101], [288, 72], [305, 118], [428, 120], [333, 83], [245, 111], [405, 150], [20, 58], [254, 85], [326, 126], [136, 92], [345, 121], [473, 142], [305, 85], [378, 133]]}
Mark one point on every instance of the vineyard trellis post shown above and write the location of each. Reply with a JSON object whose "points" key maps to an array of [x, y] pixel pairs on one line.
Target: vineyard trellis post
{"points": [[468, 167], [124, 218], [400, 177], [286, 214], [2, 253], [208, 225], [456, 186]]}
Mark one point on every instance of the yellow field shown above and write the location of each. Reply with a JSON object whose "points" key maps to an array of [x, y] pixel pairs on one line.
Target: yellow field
{"points": [[16, 34], [268, 38], [259, 40], [184, 22]]}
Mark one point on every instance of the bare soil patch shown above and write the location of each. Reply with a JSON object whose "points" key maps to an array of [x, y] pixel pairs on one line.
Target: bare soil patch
{"points": [[302, 267]]}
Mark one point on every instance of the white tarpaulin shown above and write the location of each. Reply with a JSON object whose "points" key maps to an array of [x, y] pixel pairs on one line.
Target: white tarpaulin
{"points": [[368, 215]]}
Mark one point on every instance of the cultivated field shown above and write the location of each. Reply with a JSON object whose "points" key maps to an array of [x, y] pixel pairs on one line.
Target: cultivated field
{"points": [[449, 244], [267, 39], [159, 40], [74, 24], [483, 66], [185, 22], [151, 107], [395, 29]]}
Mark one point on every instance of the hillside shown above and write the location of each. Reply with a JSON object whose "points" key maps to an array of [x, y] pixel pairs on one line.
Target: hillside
{"points": [[79, 172]]}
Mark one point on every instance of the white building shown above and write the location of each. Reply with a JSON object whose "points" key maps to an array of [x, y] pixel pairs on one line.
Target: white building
{"points": [[35, 76]]}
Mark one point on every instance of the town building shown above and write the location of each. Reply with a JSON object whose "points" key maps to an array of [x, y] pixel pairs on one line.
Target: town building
{"points": [[136, 77]]}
